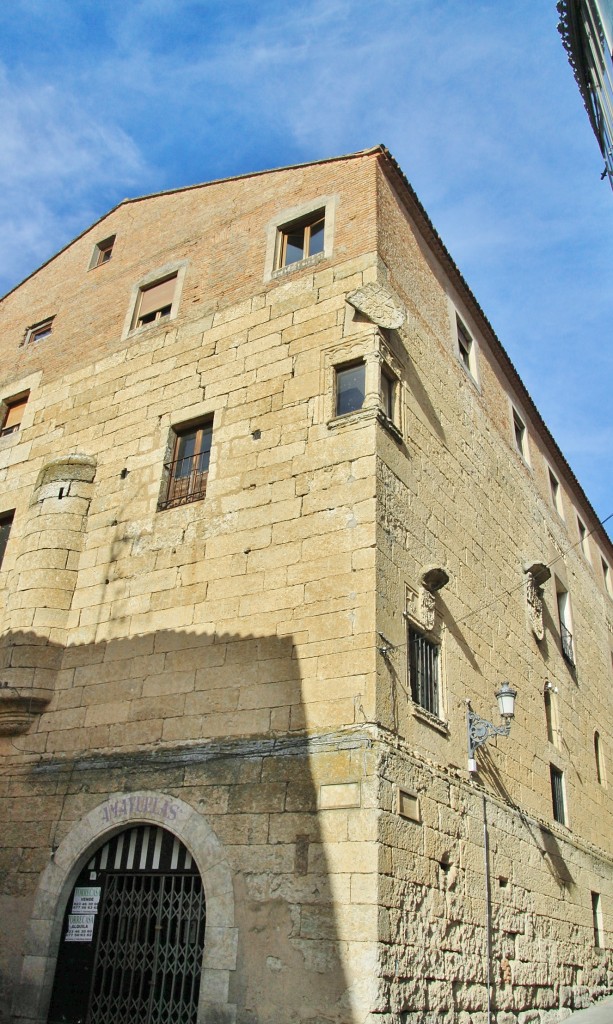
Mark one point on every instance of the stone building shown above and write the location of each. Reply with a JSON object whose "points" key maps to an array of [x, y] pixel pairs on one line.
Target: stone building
{"points": [[275, 506]]}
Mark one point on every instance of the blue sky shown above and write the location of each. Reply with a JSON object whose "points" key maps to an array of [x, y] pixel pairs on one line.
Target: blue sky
{"points": [[107, 99]]}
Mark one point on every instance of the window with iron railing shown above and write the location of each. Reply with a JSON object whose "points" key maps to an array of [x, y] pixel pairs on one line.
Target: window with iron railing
{"points": [[187, 473], [424, 671]]}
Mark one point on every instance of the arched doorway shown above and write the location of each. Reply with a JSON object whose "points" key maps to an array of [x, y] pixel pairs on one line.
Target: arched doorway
{"points": [[133, 935]]}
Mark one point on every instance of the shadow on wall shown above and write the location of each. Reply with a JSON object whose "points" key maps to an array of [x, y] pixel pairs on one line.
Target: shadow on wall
{"points": [[206, 719]]}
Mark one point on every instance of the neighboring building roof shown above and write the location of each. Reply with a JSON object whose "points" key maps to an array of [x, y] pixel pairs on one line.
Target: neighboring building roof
{"points": [[586, 27], [433, 238]]}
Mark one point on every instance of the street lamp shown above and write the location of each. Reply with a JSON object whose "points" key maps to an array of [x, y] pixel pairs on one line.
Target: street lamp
{"points": [[479, 729]]}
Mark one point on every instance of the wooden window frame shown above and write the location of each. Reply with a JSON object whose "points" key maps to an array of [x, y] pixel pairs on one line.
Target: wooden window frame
{"points": [[39, 331], [304, 224], [186, 476], [162, 312], [18, 402], [102, 252]]}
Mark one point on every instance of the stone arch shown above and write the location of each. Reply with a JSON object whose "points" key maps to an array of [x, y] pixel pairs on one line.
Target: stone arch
{"points": [[117, 812]]}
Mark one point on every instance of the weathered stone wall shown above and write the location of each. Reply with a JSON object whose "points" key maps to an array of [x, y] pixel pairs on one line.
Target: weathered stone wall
{"points": [[294, 824], [459, 495], [435, 891]]}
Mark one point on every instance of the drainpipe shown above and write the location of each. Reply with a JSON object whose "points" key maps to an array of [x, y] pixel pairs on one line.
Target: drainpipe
{"points": [[488, 913]]}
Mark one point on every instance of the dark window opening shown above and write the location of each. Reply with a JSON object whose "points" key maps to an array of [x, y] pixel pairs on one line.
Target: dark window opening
{"points": [[424, 671], [465, 344], [557, 795], [6, 521]]}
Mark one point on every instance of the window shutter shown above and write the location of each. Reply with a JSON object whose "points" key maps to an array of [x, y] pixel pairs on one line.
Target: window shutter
{"points": [[15, 414], [158, 296]]}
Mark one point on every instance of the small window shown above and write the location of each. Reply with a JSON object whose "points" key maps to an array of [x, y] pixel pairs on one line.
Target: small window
{"points": [[387, 393], [556, 496], [597, 921], [519, 432], [599, 760], [40, 331], [424, 671], [350, 388], [564, 615], [583, 541], [14, 414], [606, 575], [557, 794], [102, 252], [6, 521], [155, 301], [301, 239], [465, 346], [187, 472]]}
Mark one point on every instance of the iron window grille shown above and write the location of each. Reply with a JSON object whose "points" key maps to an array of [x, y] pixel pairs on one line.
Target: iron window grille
{"points": [[557, 795], [566, 638], [187, 472], [424, 671]]}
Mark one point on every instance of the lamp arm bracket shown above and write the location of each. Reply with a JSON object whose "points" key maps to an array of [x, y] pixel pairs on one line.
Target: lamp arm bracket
{"points": [[479, 730]]}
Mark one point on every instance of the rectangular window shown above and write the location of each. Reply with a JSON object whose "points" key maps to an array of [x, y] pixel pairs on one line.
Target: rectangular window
{"points": [[40, 331], [519, 432], [102, 252], [155, 301], [187, 472], [554, 487], [597, 921], [557, 794], [424, 671], [465, 345], [606, 575], [301, 239], [387, 387], [583, 541], [564, 615], [14, 414], [6, 521], [350, 388]]}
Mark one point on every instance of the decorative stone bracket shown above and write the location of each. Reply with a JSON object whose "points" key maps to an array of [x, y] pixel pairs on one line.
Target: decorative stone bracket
{"points": [[537, 573]]}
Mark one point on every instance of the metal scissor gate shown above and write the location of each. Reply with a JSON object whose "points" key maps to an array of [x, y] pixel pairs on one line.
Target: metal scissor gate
{"points": [[139, 960]]}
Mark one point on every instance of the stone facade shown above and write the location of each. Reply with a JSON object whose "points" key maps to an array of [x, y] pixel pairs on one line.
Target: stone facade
{"points": [[243, 670]]}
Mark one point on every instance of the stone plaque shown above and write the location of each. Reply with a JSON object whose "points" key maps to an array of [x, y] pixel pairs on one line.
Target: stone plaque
{"points": [[379, 305]]}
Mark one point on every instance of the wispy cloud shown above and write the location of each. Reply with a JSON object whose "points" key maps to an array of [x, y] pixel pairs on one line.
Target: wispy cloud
{"points": [[56, 156]]}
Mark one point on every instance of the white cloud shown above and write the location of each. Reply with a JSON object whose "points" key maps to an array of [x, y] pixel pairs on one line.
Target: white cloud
{"points": [[57, 156]]}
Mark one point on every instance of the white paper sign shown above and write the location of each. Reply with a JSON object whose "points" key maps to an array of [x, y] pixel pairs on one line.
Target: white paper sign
{"points": [[86, 899], [80, 927]]}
